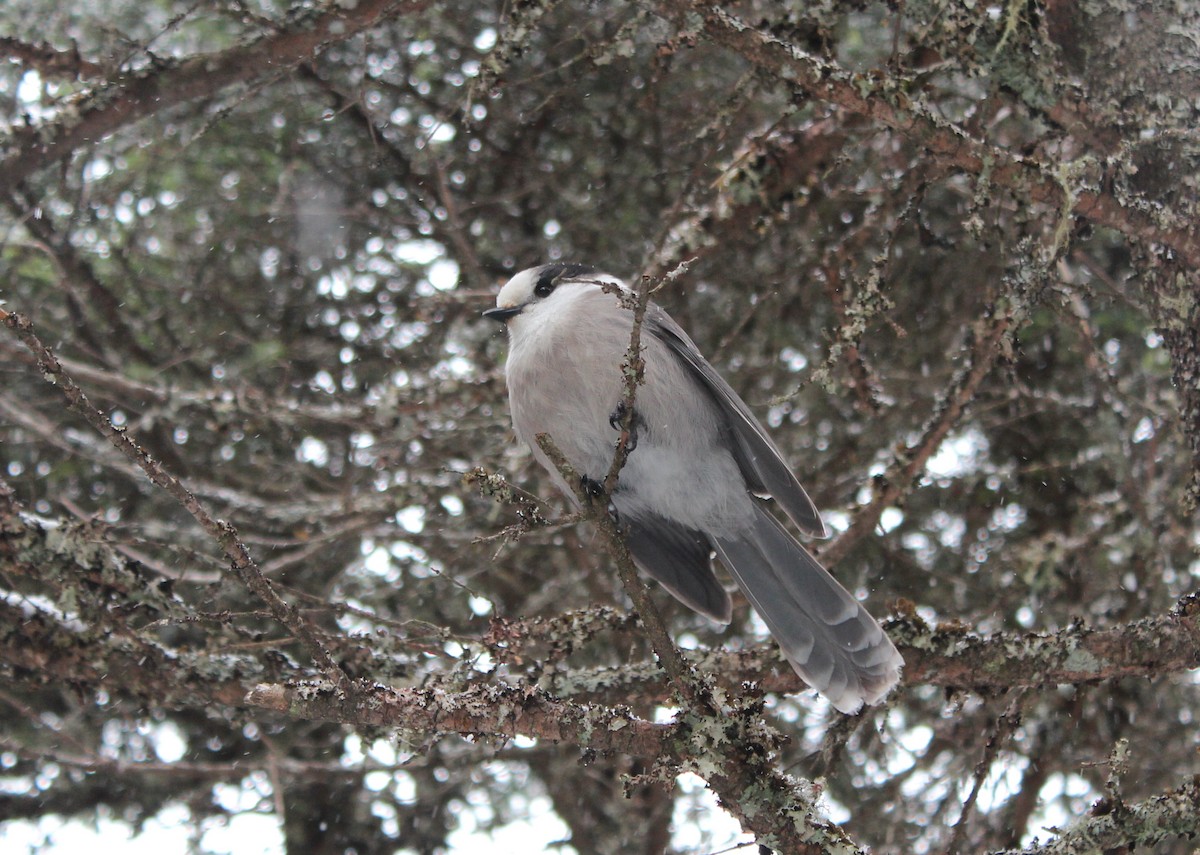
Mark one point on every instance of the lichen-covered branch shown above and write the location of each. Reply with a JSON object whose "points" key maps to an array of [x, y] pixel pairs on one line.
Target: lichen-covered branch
{"points": [[595, 504], [1148, 648], [488, 711], [1117, 826], [951, 656], [779, 810], [760, 176], [40, 650]]}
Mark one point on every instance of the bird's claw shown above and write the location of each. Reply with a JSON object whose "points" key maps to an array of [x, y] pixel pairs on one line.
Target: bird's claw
{"points": [[616, 420]]}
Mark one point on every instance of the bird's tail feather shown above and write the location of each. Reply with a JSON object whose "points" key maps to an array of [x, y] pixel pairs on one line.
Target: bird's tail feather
{"points": [[829, 639]]}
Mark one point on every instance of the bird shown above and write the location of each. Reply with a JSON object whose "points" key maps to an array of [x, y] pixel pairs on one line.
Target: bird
{"points": [[697, 477]]}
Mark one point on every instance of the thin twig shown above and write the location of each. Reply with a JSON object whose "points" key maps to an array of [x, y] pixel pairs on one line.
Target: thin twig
{"points": [[633, 370], [1006, 725], [680, 671]]}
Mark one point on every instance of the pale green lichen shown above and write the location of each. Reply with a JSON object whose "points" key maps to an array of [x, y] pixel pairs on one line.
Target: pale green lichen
{"points": [[1081, 661]]}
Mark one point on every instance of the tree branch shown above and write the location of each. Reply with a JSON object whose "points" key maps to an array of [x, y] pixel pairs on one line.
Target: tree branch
{"points": [[681, 672], [29, 149], [597, 506], [886, 100], [49, 60]]}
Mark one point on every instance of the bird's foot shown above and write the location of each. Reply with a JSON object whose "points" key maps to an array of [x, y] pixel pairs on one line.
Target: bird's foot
{"points": [[591, 486], [595, 489], [616, 420]]}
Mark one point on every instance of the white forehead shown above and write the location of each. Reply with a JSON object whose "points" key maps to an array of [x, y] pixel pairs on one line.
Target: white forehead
{"points": [[519, 290]]}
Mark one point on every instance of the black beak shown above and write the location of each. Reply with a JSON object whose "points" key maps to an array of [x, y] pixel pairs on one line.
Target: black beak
{"points": [[502, 315]]}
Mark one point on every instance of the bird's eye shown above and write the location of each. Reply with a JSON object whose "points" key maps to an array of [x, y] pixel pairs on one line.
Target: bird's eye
{"points": [[545, 285]]}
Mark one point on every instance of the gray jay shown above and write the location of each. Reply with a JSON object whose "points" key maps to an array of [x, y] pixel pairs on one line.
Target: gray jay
{"points": [[691, 483]]}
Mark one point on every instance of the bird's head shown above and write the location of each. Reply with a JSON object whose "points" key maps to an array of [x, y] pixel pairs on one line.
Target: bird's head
{"points": [[540, 289]]}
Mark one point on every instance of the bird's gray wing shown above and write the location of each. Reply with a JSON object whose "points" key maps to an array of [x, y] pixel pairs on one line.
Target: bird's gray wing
{"points": [[758, 458], [678, 558], [827, 636]]}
